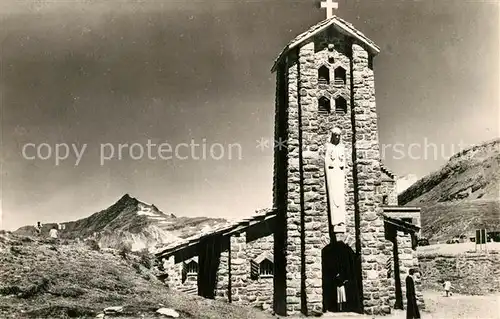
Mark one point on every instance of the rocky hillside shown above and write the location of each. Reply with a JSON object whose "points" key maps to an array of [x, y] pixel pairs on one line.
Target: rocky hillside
{"points": [[42, 279], [462, 196], [133, 222]]}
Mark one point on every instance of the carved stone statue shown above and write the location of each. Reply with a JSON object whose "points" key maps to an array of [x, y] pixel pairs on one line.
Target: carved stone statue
{"points": [[335, 167]]}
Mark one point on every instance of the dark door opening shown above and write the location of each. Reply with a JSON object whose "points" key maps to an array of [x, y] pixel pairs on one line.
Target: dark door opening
{"points": [[340, 266], [209, 257]]}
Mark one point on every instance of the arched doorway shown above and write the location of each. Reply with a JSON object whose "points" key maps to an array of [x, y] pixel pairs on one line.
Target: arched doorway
{"points": [[340, 264]]}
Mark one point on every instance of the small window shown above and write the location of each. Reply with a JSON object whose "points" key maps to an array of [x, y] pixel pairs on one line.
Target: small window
{"points": [[192, 268], [189, 269], [340, 76], [340, 105], [266, 268], [262, 266], [324, 105], [323, 75]]}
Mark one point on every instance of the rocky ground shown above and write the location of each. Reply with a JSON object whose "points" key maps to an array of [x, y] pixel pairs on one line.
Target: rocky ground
{"points": [[41, 279]]}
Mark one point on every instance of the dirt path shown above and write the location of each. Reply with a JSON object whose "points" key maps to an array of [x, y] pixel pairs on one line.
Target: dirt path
{"points": [[441, 307], [460, 306]]}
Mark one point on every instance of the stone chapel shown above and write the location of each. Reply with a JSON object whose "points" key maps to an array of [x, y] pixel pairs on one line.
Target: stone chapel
{"points": [[292, 258]]}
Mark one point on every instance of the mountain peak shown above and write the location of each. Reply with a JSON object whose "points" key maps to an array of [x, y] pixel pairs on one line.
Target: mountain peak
{"points": [[133, 221]]}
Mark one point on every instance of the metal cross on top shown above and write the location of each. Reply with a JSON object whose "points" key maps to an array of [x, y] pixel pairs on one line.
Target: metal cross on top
{"points": [[330, 5]]}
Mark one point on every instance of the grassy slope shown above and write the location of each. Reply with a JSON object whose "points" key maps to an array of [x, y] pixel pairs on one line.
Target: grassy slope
{"points": [[42, 280], [442, 221]]}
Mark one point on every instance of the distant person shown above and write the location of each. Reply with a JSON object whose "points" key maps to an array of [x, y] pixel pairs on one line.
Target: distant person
{"points": [[53, 233], [411, 297], [447, 288], [38, 228]]}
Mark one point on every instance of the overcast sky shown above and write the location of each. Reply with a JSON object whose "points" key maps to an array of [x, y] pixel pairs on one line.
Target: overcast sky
{"points": [[96, 72]]}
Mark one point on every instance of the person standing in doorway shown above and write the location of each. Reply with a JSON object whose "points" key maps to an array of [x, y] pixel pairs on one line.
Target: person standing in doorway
{"points": [[341, 295], [412, 311]]}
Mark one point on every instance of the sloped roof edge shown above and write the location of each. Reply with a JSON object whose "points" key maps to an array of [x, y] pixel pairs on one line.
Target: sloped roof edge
{"points": [[384, 168], [265, 255], [401, 209], [259, 216], [340, 24], [401, 224]]}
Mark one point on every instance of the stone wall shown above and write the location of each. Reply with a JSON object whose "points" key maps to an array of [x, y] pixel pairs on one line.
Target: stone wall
{"points": [[259, 292], [175, 280], [408, 259], [244, 290], [469, 273], [367, 179], [222, 289], [330, 50], [315, 232], [233, 272], [174, 272], [240, 269], [388, 188]]}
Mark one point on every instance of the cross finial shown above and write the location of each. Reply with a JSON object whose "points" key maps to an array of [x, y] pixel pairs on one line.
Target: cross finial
{"points": [[330, 5]]}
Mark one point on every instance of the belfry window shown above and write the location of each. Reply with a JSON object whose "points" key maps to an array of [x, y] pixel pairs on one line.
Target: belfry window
{"points": [[340, 76], [323, 75], [340, 105], [324, 105], [266, 268]]}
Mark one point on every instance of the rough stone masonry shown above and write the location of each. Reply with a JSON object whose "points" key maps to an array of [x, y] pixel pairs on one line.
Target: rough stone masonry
{"points": [[302, 205], [285, 259]]}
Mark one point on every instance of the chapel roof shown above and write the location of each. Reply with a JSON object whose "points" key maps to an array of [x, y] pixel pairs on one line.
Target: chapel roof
{"points": [[265, 215], [226, 229], [340, 25]]}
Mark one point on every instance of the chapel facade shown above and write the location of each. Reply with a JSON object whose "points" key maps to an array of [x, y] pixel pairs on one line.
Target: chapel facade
{"points": [[291, 258]]}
